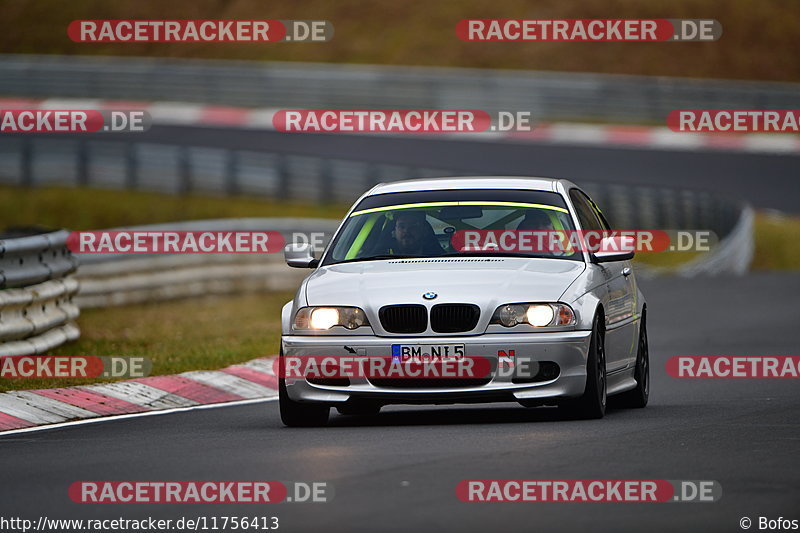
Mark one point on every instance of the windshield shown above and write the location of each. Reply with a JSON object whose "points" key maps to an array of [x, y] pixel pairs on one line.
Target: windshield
{"points": [[453, 223]]}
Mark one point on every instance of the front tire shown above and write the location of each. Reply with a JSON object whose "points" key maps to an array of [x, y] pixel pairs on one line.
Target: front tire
{"points": [[592, 404], [297, 414], [637, 398]]}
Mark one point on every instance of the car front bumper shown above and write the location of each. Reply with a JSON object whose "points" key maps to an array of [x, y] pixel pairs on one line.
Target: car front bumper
{"points": [[568, 349]]}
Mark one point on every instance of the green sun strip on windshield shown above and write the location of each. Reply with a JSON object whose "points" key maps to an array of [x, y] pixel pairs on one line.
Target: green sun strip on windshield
{"points": [[445, 204], [554, 220], [558, 226], [361, 237]]}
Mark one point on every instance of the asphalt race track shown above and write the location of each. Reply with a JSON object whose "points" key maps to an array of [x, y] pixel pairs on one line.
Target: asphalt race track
{"points": [[397, 471]]}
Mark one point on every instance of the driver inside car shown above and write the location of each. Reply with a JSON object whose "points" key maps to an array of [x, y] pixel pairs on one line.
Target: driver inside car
{"points": [[555, 242], [412, 236]]}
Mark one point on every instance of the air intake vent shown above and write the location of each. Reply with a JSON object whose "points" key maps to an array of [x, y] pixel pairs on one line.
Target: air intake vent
{"points": [[412, 318], [429, 383], [479, 260], [454, 318]]}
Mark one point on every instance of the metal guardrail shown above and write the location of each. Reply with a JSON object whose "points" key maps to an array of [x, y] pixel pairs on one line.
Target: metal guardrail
{"points": [[548, 95], [123, 279], [38, 318], [180, 169], [170, 168], [34, 259], [733, 255], [36, 308]]}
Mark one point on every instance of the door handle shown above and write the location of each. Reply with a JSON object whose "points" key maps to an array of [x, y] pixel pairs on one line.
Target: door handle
{"points": [[626, 271]]}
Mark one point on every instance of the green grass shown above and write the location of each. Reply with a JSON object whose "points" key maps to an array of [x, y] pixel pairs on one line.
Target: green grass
{"points": [[776, 246], [84, 208], [665, 259], [777, 240], [197, 334], [758, 41]]}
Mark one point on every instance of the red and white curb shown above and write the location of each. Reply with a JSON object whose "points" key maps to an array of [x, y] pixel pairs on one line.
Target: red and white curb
{"points": [[652, 137], [45, 408]]}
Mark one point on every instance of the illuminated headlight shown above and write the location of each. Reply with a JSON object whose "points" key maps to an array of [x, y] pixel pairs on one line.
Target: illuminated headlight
{"points": [[322, 318], [537, 315], [540, 315]]}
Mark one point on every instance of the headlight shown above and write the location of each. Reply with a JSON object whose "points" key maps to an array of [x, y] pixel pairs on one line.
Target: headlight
{"points": [[540, 315], [322, 318], [537, 315]]}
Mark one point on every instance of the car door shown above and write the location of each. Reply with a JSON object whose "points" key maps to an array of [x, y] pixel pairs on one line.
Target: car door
{"points": [[619, 303]]}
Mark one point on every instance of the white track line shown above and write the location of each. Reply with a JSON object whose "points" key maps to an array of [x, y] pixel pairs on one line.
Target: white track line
{"points": [[135, 415]]}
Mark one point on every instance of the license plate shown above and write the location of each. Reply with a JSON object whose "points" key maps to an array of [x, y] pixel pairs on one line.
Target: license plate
{"points": [[427, 352]]}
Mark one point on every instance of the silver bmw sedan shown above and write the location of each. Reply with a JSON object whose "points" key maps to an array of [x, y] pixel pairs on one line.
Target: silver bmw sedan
{"points": [[462, 290]]}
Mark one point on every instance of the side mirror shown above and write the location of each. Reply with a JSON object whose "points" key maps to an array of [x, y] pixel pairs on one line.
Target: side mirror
{"points": [[300, 255], [620, 248]]}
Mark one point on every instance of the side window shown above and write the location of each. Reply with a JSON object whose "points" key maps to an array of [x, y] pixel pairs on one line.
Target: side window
{"points": [[603, 221], [585, 212]]}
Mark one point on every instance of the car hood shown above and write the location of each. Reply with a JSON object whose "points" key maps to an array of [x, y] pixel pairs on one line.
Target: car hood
{"points": [[487, 282]]}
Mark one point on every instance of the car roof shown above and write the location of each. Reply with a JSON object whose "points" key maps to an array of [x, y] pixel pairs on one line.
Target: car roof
{"points": [[467, 182]]}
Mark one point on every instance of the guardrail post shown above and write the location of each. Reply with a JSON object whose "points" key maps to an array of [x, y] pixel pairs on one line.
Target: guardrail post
{"points": [[82, 163], [131, 166], [688, 201], [670, 213], [184, 170], [26, 162], [326, 178], [705, 216], [232, 172], [635, 196], [282, 171], [371, 176]]}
